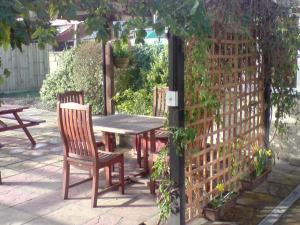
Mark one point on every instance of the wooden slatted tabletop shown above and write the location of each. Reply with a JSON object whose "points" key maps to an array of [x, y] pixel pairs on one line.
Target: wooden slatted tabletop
{"points": [[7, 109], [127, 124]]}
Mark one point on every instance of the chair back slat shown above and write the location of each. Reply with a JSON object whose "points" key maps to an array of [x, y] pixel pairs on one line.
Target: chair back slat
{"points": [[75, 122], [71, 96], [159, 101]]}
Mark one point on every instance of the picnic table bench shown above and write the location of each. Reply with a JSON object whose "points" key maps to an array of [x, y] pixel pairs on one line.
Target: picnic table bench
{"points": [[10, 112]]}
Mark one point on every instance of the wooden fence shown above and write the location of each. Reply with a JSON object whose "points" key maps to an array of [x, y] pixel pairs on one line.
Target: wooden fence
{"points": [[28, 68], [225, 144]]}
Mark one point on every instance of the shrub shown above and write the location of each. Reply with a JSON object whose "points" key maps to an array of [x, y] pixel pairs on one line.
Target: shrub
{"points": [[134, 85], [88, 74], [59, 81], [120, 49], [79, 69], [135, 76], [157, 75], [134, 102]]}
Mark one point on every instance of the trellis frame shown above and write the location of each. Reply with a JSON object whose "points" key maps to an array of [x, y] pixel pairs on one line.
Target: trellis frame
{"points": [[225, 148]]}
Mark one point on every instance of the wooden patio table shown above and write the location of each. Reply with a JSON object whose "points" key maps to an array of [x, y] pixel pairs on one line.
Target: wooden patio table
{"points": [[132, 125], [11, 112]]}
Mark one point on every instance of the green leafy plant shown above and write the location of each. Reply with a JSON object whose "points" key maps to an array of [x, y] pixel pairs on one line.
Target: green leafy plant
{"points": [[161, 172], [182, 137], [78, 69], [58, 81], [88, 74], [134, 102], [120, 49], [157, 75], [135, 84], [222, 197], [262, 159]]}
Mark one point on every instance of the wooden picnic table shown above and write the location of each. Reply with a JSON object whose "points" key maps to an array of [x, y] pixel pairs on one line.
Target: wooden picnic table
{"points": [[132, 125], [10, 112]]}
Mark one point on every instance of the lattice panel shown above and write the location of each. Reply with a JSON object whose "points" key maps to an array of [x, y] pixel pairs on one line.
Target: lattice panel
{"points": [[224, 144]]}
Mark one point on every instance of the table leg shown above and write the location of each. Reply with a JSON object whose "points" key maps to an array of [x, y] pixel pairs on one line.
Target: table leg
{"points": [[24, 128], [138, 150], [145, 152], [152, 141], [108, 148]]}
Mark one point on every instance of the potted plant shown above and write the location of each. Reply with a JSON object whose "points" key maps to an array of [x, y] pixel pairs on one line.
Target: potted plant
{"points": [[120, 53], [215, 208], [260, 168]]}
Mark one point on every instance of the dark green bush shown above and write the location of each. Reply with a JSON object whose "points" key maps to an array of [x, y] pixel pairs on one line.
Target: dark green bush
{"points": [[79, 69], [58, 81], [134, 102], [134, 85], [88, 74], [135, 76]]}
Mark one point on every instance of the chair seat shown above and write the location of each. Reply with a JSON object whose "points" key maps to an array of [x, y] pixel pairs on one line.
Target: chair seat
{"points": [[108, 158], [161, 134]]}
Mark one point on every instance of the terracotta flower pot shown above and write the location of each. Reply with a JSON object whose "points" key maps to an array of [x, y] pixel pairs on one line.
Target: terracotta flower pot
{"points": [[212, 214], [121, 62], [249, 184]]}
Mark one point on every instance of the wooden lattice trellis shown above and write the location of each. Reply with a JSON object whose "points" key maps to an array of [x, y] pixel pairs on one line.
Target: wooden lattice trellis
{"points": [[224, 148]]}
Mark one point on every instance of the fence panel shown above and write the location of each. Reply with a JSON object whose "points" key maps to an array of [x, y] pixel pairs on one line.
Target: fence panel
{"points": [[28, 68]]}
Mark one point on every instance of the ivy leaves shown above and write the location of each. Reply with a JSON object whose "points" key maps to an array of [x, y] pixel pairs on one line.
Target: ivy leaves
{"points": [[182, 137]]}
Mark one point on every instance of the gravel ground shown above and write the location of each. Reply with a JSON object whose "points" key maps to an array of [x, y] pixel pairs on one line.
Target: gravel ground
{"points": [[29, 100]]}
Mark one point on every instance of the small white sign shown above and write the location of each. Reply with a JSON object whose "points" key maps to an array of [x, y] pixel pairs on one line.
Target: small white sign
{"points": [[172, 98]]}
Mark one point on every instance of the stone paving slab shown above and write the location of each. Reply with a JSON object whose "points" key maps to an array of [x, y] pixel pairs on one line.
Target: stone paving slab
{"points": [[292, 216], [11, 216]]}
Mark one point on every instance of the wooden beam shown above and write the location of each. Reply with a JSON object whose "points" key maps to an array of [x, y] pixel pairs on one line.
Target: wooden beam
{"points": [[109, 79], [104, 77], [176, 119]]}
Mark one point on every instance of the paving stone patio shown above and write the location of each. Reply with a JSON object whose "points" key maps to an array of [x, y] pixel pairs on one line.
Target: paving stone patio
{"points": [[31, 190]]}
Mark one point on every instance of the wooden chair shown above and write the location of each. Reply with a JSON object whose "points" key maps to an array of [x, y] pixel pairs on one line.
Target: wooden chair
{"points": [[71, 96], [80, 150], [159, 102], [159, 109], [77, 97]]}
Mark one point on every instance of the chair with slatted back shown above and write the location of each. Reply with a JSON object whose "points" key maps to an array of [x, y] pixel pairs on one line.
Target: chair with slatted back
{"points": [[159, 102], [80, 150], [77, 97], [159, 109], [71, 96]]}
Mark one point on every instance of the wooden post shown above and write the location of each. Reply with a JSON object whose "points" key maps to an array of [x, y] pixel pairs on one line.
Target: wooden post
{"points": [[109, 80], [104, 77], [176, 119]]}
